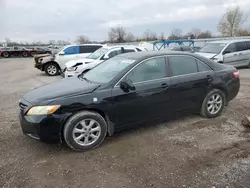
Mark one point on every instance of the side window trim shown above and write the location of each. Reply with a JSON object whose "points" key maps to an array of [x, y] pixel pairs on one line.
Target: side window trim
{"points": [[166, 75]]}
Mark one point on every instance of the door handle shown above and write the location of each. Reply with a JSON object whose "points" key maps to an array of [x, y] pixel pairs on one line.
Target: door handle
{"points": [[235, 54], [164, 85], [240, 53]]}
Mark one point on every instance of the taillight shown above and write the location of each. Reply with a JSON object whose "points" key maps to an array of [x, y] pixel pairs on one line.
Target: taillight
{"points": [[236, 74]]}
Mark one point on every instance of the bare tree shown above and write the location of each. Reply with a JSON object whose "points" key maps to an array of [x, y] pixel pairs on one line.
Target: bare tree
{"points": [[7, 40], [117, 34], [130, 37], [82, 39], [149, 35], [196, 32], [175, 34], [243, 32], [205, 34], [162, 36], [52, 42], [231, 22]]}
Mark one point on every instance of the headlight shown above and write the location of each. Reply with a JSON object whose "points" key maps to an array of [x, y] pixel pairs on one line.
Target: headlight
{"points": [[40, 60], [43, 110], [71, 68]]}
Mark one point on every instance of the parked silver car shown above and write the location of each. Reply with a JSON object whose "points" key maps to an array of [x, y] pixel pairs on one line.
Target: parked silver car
{"points": [[231, 52]]}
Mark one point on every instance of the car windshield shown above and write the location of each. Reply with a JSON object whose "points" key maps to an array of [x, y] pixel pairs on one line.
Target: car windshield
{"points": [[213, 48], [108, 70], [98, 53]]}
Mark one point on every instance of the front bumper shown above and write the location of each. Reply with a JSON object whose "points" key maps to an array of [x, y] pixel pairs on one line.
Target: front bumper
{"points": [[46, 128], [41, 127], [38, 66], [67, 74]]}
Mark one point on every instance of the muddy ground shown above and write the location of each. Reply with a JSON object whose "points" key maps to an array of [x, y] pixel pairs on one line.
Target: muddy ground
{"points": [[188, 151]]}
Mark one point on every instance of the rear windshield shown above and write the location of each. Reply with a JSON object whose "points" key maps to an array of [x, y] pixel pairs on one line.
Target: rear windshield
{"points": [[214, 48]]}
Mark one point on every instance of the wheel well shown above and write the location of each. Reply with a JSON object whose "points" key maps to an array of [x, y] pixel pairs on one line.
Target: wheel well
{"points": [[223, 90], [51, 62], [106, 118]]}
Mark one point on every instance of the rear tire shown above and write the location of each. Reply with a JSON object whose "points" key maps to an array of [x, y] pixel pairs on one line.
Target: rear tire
{"points": [[5, 54], [85, 130], [51, 69], [213, 104], [25, 54]]}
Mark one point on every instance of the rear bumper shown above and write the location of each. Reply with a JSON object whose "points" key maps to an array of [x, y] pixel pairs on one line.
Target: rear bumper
{"points": [[233, 89]]}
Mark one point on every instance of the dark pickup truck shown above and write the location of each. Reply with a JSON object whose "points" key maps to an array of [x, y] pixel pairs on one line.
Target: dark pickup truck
{"points": [[21, 51]]}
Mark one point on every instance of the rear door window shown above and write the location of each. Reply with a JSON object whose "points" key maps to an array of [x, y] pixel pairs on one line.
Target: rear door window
{"points": [[181, 65], [128, 50], [241, 46], [72, 50], [248, 45], [89, 48]]}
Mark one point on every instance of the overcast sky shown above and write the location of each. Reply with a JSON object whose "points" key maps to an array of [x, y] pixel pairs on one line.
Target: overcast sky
{"points": [[42, 20]]}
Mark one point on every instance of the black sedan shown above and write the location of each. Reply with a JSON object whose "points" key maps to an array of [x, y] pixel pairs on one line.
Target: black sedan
{"points": [[123, 91]]}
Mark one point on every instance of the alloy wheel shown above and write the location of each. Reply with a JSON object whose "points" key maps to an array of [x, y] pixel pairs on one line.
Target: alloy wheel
{"points": [[52, 70], [214, 104], [86, 132]]}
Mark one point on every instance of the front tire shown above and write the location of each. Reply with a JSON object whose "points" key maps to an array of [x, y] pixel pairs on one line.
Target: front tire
{"points": [[5, 54], [85, 130], [213, 104], [51, 69]]}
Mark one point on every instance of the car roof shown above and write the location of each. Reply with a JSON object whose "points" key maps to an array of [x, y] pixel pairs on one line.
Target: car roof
{"points": [[120, 46], [84, 45], [230, 41], [148, 54]]}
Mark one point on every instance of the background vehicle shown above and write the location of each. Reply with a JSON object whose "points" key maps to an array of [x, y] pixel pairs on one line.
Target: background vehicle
{"points": [[186, 49], [16, 51], [76, 67], [21, 51], [55, 63], [38, 50], [231, 52], [123, 91]]}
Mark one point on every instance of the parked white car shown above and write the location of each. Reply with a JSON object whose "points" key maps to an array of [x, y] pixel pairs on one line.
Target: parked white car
{"points": [[230, 52], [77, 67], [53, 64]]}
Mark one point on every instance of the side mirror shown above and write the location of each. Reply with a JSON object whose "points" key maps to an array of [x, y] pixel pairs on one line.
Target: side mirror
{"points": [[226, 52], [126, 86], [62, 53]]}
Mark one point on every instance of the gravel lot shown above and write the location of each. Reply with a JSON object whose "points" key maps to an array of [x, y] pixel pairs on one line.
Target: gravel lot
{"points": [[188, 151]]}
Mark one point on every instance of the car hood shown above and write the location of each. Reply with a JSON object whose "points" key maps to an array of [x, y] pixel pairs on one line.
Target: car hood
{"points": [[36, 57], [75, 62], [64, 88], [207, 55]]}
